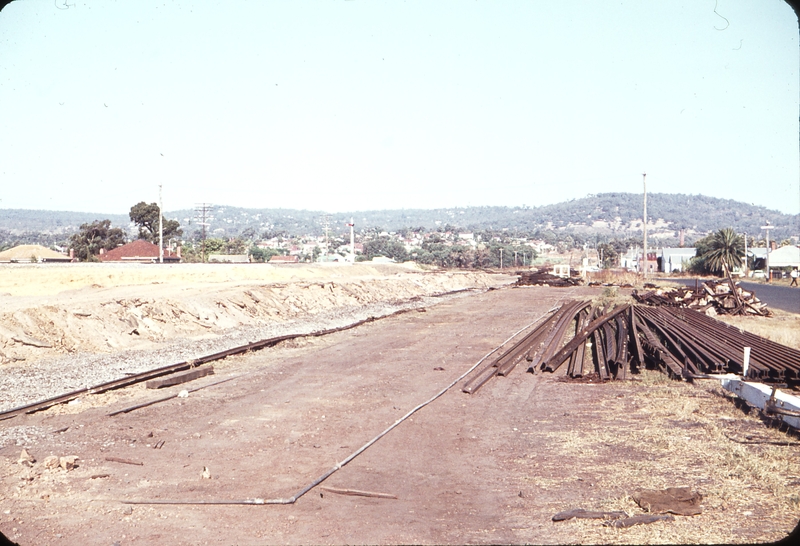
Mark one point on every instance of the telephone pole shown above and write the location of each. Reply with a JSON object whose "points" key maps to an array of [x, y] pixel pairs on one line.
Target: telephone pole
{"points": [[644, 182], [326, 227], [201, 212], [352, 242], [160, 227], [767, 228]]}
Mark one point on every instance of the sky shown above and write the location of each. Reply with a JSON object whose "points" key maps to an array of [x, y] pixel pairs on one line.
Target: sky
{"points": [[344, 105]]}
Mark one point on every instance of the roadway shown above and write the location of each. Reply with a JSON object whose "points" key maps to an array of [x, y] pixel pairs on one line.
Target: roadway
{"points": [[785, 298]]}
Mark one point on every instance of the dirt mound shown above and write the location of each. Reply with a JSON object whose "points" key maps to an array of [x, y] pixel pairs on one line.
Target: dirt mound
{"points": [[195, 303]]}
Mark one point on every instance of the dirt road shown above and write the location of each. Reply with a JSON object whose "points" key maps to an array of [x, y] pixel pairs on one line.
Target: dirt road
{"points": [[488, 468]]}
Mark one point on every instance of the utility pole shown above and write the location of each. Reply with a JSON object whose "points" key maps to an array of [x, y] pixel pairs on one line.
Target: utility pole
{"points": [[644, 183], [325, 222], [352, 242], [745, 254], [767, 228], [501, 258], [160, 227], [202, 210], [515, 258]]}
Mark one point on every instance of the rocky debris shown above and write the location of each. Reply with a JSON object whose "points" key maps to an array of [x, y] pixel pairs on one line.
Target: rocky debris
{"points": [[51, 462], [26, 459], [31, 341], [68, 463]]}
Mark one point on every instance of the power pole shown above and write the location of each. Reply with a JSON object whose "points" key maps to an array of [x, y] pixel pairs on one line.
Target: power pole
{"points": [[352, 242], [501, 258], [745, 255], [767, 228], [644, 182], [160, 227], [202, 210], [325, 223]]}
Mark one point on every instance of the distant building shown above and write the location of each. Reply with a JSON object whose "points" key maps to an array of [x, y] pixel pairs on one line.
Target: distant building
{"points": [[284, 260], [139, 251], [32, 254], [675, 259], [229, 258], [785, 256]]}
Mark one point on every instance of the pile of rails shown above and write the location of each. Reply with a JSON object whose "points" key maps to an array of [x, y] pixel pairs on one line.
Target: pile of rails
{"points": [[543, 278], [711, 297], [613, 342]]}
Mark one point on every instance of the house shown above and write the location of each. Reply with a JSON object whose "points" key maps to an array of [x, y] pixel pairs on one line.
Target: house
{"points": [[32, 254], [785, 256], [139, 251], [675, 259], [284, 260], [229, 258]]}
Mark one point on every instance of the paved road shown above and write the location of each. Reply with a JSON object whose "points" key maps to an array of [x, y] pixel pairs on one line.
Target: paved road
{"points": [[785, 298]]}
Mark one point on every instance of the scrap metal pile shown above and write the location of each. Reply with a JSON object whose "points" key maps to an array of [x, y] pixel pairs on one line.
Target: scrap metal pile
{"points": [[543, 278], [724, 297], [615, 341]]}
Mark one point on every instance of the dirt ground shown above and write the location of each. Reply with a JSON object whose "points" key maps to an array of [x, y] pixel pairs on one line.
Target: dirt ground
{"points": [[493, 467], [48, 310]]}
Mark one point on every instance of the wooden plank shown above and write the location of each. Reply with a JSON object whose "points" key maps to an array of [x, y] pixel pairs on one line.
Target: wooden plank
{"points": [[178, 378]]}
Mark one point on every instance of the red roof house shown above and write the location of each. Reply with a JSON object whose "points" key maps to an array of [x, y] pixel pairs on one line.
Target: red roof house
{"points": [[139, 251]]}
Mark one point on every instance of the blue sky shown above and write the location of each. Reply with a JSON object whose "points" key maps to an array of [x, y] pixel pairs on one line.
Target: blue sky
{"points": [[343, 105]]}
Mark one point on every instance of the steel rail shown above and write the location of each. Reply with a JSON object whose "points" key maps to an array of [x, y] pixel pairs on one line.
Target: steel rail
{"points": [[767, 352], [767, 358], [553, 340], [713, 351], [555, 361], [172, 368]]}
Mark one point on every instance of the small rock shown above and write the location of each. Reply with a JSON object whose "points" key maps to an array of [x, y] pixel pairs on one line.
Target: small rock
{"points": [[51, 462], [68, 462], [26, 459], [183, 394], [206, 473], [128, 510]]}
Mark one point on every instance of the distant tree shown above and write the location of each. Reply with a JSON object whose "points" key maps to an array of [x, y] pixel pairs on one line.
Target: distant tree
{"points": [[249, 234], [92, 237], [609, 254], [215, 245], [236, 246], [383, 246], [146, 217], [259, 254], [721, 247]]}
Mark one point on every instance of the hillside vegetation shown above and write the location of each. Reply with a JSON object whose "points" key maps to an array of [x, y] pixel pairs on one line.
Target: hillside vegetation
{"points": [[597, 217]]}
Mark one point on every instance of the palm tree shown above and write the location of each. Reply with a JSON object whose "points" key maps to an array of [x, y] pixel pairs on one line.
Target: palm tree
{"points": [[725, 247]]}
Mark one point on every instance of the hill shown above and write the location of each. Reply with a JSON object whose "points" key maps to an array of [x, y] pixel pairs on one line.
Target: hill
{"points": [[596, 217]]}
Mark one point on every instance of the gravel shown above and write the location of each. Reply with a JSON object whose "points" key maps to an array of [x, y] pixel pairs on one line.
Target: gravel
{"points": [[27, 383]]}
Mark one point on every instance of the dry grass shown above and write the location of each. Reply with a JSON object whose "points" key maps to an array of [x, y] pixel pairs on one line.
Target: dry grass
{"points": [[663, 433], [783, 327], [616, 277]]}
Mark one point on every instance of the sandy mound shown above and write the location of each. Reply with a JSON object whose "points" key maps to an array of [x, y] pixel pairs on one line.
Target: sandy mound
{"points": [[100, 308]]}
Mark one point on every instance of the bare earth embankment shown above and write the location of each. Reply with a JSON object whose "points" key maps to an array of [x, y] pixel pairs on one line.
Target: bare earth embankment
{"points": [[493, 467]]}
